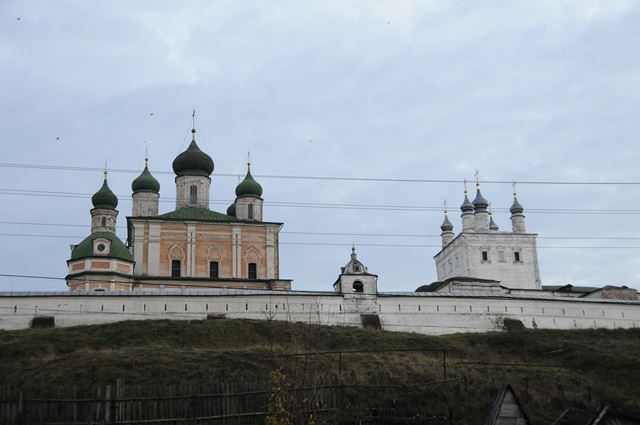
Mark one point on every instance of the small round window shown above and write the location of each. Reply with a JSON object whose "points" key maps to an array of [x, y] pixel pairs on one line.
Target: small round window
{"points": [[101, 247]]}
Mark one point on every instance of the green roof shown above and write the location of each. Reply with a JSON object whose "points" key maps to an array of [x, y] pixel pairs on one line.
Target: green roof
{"points": [[105, 198], [85, 248], [200, 214], [248, 186], [193, 162], [145, 182], [231, 211]]}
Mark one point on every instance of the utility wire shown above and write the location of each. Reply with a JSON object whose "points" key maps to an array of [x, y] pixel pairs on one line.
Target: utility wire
{"points": [[385, 235], [323, 205], [329, 178], [378, 245]]}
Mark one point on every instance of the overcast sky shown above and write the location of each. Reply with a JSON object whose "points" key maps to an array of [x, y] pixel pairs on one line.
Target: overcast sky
{"points": [[545, 90]]}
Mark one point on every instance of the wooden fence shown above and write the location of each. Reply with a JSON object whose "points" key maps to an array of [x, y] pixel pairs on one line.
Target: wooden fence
{"points": [[238, 402]]}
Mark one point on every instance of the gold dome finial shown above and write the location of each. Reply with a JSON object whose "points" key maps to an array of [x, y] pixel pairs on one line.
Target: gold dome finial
{"points": [[477, 174]]}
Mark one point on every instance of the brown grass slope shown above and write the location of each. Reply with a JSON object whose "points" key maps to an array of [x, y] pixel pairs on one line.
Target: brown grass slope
{"points": [[550, 370]]}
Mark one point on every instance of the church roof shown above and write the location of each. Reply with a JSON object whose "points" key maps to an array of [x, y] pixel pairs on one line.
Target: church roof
{"points": [[200, 214], [231, 211], [249, 186], [145, 182], [480, 203], [446, 224], [354, 266], [516, 208], [193, 162], [117, 250], [492, 224], [466, 204], [104, 198]]}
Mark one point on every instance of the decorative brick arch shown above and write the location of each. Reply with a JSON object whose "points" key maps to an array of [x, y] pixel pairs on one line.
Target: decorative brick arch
{"points": [[213, 253], [251, 255], [176, 252]]}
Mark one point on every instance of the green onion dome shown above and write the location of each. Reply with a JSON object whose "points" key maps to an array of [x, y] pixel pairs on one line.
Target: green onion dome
{"points": [[105, 198], [193, 162], [145, 182], [248, 186], [232, 210]]}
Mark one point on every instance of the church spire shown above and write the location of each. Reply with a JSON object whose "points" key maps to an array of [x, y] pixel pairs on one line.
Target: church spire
{"points": [[447, 228], [517, 216]]}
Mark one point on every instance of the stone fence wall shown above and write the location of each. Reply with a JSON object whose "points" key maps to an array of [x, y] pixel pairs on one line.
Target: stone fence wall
{"points": [[427, 313]]}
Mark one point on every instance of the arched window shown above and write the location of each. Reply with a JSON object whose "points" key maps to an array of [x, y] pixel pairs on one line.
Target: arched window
{"points": [[250, 212], [252, 271], [193, 194], [358, 286], [175, 268], [103, 222], [214, 269]]}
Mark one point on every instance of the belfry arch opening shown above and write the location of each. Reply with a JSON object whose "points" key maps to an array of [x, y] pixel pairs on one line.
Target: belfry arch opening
{"points": [[358, 286]]}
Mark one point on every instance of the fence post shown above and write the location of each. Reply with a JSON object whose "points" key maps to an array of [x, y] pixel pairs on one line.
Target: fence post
{"points": [[194, 410], [75, 404], [118, 414], [107, 404], [444, 363]]}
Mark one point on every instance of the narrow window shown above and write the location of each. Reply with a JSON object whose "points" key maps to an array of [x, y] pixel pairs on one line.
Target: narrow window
{"points": [[516, 257], [175, 268], [485, 256], [358, 286], [250, 211], [103, 222], [213, 269], [253, 271], [193, 194]]}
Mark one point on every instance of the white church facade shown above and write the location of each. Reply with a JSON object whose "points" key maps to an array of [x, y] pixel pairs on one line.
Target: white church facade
{"points": [[481, 250]]}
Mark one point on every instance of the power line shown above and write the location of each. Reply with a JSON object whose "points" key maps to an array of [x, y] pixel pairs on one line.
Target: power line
{"points": [[377, 245], [31, 277], [329, 178], [401, 235], [324, 205]]}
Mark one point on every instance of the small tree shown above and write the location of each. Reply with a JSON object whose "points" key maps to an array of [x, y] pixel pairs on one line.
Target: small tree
{"points": [[278, 404]]}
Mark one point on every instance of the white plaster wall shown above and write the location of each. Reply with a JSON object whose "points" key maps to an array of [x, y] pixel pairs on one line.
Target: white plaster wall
{"points": [[145, 204], [183, 183], [410, 312], [153, 251], [463, 258], [242, 208]]}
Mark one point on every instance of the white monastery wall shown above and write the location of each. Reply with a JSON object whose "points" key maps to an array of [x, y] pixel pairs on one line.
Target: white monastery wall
{"points": [[427, 313]]}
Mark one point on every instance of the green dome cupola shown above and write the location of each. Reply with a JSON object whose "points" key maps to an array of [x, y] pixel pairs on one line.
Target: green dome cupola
{"points": [[231, 211], [145, 182], [193, 162], [105, 198], [248, 186]]}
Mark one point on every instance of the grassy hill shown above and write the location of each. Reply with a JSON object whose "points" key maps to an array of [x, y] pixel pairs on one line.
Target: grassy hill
{"points": [[549, 370]]}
